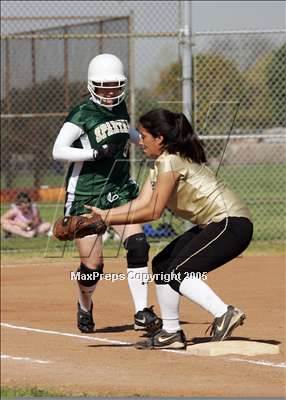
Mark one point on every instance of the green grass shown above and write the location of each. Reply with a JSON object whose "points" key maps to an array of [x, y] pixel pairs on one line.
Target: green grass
{"points": [[273, 248], [263, 182], [13, 392], [262, 187], [38, 253], [8, 392]]}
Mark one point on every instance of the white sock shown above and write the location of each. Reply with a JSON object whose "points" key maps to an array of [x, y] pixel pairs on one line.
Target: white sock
{"points": [[138, 285], [199, 292], [85, 296], [169, 301]]}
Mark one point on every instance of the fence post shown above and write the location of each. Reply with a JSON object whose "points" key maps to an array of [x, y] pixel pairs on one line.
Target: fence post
{"points": [[186, 29], [131, 84]]}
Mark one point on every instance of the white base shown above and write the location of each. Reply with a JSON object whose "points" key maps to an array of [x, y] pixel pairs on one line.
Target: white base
{"points": [[242, 347]]}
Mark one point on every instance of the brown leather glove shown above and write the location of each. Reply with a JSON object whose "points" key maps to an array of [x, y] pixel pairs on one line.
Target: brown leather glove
{"points": [[72, 227]]}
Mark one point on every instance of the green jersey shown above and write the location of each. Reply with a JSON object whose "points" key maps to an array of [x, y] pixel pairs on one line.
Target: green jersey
{"points": [[101, 181]]}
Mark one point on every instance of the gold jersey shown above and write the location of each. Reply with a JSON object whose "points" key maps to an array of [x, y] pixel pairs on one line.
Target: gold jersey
{"points": [[199, 196]]}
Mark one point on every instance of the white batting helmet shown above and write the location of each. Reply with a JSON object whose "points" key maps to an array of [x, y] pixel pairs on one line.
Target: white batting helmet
{"points": [[102, 69]]}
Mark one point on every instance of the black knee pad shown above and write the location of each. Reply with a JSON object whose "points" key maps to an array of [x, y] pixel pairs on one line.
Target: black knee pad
{"points": [[89, 277], [137, 250]]}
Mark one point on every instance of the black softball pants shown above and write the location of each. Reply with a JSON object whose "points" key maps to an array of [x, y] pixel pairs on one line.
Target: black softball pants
{"points": [[202, 250]]}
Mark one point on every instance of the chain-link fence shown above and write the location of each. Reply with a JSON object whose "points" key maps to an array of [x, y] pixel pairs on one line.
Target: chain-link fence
{"points": [[239, 86], [40, 89]]}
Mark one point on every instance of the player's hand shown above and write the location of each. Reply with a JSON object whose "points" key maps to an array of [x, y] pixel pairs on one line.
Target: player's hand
{"points": [[106, 151]]}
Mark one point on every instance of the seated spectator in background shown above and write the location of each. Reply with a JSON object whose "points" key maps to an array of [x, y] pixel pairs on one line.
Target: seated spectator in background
{"points": [[23, 219]]}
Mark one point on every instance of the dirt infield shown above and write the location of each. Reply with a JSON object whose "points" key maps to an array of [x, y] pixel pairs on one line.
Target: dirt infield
{"points": [[42, 347]]}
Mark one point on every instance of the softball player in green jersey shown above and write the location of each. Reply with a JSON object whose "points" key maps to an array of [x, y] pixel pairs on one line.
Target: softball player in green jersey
{"points": [[94, 139]]}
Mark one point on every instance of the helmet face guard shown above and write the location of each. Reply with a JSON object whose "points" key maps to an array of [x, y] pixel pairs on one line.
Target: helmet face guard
{"points": [[105, 71], [102, 100]]}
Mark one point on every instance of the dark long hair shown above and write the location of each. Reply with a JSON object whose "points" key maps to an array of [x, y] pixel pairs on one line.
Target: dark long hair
{"points": [[177, 132], [23, 197]]}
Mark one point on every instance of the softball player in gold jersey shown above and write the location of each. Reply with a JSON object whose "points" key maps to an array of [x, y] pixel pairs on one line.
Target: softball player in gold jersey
{"points": [[181, 181]]}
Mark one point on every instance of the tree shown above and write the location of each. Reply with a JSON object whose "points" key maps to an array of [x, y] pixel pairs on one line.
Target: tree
{"points": [[168, 91], [276, 81], [145, 101], [240, 49], [218, 88], [257, 109], [218, 85]]}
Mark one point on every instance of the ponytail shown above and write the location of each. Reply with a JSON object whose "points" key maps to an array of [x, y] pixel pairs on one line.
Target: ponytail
{"points": [[177, 132]]}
